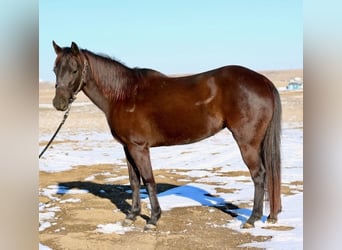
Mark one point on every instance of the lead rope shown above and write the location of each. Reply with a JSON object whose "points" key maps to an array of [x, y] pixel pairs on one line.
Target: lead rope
{"points": [[54, 135], [67, 111]]}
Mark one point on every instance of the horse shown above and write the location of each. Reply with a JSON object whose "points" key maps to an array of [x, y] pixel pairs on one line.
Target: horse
{"points": [[145, 108]]}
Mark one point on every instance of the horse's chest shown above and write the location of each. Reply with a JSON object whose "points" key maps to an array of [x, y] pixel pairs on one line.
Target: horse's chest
{"points": [[126, 125]]}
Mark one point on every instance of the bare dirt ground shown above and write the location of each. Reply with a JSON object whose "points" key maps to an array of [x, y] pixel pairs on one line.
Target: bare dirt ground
{"points": [[180, 228]]}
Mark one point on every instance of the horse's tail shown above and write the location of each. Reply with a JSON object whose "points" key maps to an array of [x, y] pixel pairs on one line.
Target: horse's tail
{"points": [[271, 157]]}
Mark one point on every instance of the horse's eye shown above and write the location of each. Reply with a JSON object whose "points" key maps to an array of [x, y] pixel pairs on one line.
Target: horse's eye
{"points": [[75, 71]]}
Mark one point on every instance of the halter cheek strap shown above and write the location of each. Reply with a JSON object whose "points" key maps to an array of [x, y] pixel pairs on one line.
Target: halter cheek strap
{"points": [[82, 81]]}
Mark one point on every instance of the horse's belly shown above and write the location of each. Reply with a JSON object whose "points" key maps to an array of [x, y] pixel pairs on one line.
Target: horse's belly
{"points": [[185, 131]]}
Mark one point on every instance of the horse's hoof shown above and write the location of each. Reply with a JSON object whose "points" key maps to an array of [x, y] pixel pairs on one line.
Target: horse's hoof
{"points": [[127, 222], [150, 227], [247, 225], [271, 220]]}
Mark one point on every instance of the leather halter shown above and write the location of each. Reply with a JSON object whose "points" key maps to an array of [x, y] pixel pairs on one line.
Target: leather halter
{"points": [[82, 81]]}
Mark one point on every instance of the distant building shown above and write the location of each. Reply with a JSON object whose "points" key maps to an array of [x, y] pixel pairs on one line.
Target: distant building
{"points": [[294, 84]]}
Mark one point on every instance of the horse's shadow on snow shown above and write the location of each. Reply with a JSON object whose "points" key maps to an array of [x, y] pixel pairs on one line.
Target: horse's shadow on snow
{"points": [[119, 194]]}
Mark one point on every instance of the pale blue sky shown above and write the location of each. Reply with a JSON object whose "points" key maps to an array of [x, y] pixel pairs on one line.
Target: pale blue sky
{"points": [[176, 36]]}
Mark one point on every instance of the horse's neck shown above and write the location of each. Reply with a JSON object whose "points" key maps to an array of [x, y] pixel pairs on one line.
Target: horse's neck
{"points": [[95, 95], [108, 82]]}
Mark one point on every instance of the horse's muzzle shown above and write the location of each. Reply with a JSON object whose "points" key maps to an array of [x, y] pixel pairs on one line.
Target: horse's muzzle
{"points": [[60, 104]]}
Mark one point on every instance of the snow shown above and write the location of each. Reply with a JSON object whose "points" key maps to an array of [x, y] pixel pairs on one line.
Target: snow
{"points": [[205, 161], [51, 190], [113, 228], [84, 149], [42, 247], [71, 200]]}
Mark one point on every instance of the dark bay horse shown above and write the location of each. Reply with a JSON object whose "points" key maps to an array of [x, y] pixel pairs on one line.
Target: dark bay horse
{"points": [[145, 108]]}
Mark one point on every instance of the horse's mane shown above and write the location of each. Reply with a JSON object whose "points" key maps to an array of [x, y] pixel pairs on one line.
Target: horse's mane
{"points": [[115, 80]]}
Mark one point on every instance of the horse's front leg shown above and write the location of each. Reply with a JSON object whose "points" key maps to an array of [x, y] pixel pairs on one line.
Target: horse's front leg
{"points": [[134, 179], [139, 158]]}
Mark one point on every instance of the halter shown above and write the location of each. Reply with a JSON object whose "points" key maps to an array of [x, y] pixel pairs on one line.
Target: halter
{"points": [[82, 81]]}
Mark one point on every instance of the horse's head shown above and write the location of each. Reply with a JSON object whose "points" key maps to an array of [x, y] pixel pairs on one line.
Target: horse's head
{"points": [[70, 69]]}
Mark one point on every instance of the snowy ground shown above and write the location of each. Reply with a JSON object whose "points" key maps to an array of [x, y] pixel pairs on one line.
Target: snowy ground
{"points": [[205, 161]]}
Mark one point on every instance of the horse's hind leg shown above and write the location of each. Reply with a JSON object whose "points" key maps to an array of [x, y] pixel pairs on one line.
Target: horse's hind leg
{"points": [[259, 177], [250, 152]]}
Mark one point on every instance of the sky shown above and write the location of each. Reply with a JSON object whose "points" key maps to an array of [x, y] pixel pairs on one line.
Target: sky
{"points": [[176, 37]]}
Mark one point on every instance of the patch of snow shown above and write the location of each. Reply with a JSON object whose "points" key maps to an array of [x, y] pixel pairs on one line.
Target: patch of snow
{"points": [[71, 200], [76, 150], [52, 190], [113, 228], [199, 173], [119, 178], [44, 225], [90, 178], [44, 220], [291, 217], [43, 247]]}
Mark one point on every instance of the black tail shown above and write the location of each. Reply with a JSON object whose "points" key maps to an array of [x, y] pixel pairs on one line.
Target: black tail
{"points": [[271, 157]]}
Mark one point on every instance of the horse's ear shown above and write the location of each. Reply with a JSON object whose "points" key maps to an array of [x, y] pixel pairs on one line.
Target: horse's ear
{"points": [[74, 48], [56, 47]]}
